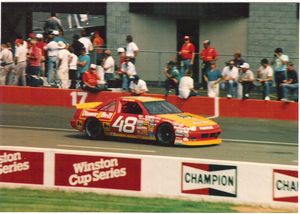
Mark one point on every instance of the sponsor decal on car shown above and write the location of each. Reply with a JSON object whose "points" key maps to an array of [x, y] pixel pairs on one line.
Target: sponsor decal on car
{"points": [[105, 115], [206, 127], [285, 185], [98, 172], [89, 114], [209, 179], [21, 167]]}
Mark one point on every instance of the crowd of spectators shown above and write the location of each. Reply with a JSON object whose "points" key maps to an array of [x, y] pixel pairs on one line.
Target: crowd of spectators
{"points": [[48, 59]]}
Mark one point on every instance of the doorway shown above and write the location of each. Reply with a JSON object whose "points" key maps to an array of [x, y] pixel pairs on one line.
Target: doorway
{"points": [[190, 27]]}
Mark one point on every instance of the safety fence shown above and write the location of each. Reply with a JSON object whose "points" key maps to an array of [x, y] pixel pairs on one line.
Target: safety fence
{"points": [[197, 105], [150, 176]]}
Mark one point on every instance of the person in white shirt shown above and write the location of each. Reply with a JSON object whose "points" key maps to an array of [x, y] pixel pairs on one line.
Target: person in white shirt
{"points": [[265, 77], [64, 58], [52, 48], [85, 40], [230, 75], [21, 62], [246, 78], [73, 68], [131, 49], [138, 86], [128, 71], [8, 74], [186, 86], [108, 66]]}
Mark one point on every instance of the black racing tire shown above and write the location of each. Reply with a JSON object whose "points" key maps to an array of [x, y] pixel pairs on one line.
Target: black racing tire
{"points": [[93, 129], [165, 134]]}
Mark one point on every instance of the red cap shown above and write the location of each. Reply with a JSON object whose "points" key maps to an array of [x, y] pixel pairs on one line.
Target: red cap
{"points": [[31, 35], [19, 41]]}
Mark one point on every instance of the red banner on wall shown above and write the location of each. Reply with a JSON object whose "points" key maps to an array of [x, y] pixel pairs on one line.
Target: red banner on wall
{"points": [[98, 172], [21, 167]]}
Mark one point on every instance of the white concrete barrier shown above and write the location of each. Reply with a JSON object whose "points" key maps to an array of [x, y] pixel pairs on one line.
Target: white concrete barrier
{"points": [[150, 176]]}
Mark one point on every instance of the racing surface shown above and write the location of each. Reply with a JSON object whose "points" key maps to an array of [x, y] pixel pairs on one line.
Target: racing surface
{"points": [[247, 140]]}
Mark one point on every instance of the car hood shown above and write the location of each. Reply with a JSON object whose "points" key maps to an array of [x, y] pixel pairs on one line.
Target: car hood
{"points": [[188, 119]]}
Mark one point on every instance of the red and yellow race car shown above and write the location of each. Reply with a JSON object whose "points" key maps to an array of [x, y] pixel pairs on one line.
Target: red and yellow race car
{"points": [[145, 118]]}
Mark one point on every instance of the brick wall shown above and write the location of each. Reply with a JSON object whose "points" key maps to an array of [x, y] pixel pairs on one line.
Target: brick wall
{"points": [[272, 25]]}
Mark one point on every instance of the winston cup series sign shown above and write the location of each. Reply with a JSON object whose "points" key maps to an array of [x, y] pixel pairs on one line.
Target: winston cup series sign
{"points": [[21, 167], [285, 185], [98, 172], [209, 179]]}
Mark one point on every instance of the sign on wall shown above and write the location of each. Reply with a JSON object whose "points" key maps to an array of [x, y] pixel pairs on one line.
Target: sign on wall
{"points": [[98, 172], [209, 179], [21, 167], [285, 185]]}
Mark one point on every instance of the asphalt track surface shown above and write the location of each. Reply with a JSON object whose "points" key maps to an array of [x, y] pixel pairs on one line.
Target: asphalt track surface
{"points": [[246, 140]]}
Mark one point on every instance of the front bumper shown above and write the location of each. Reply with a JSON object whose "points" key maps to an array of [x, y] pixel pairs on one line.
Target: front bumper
{"points": [[199, 143]]}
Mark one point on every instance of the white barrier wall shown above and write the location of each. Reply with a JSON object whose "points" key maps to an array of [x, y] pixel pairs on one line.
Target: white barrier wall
{"points": [[151, 176]]}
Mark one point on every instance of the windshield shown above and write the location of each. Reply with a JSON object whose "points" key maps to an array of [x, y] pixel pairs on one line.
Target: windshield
{"points": [[161, 107]]}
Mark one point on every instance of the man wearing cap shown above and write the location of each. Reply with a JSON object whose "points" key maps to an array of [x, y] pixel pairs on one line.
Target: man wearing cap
{"points": [[83, 64], [128, 71], [64, 57], [21, 62], [213, 77], [122, 58], [8, 67], [230, 75], [52, 49], [52, 23], [90, 79], [34, 56], [280, 62], [290, 84], [187, 53], [98, 43], [207, 54], [108, 66], [131, 49], [138, 86], [41, 44], [173, 78], [265, 77], [246, 78]]}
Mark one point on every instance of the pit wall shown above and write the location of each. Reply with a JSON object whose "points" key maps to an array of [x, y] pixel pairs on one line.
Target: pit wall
{"points": [[150, 176], [197, 105]]}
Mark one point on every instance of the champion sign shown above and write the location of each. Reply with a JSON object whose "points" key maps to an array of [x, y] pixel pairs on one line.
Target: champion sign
{"points": [[98, 172], [21, 167], [209, 179], [285, 185]]}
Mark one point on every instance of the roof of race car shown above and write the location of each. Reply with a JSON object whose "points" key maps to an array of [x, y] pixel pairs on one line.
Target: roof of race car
{"points": [[141, 98]]}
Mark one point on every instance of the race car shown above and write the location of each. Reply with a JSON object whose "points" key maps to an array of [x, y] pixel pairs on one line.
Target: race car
{"points": [[145, 118]]}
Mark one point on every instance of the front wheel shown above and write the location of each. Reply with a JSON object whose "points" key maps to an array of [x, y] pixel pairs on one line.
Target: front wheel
{"points": [[165, 134], [93, 129]]}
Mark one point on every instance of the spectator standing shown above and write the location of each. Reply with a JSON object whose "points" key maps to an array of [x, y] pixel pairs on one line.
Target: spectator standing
{"points": [[34, 61], [230, 75], [52, 50], [246, 78], [41, 44], [8, 68], [173, 77], [90, 79], [52, 23], [98, 43], [237, 58], [187, 53], [290, 84], [138, 86], [85, 40], [280, 60], [122, 58], [64, 58], [186, 86], [131, 49], [265, 77], [207, 55], [83, 64], [108, 66], [73, 68], [59, 37], [128, 71], [213, 77], [21, 62], [76, 45]]}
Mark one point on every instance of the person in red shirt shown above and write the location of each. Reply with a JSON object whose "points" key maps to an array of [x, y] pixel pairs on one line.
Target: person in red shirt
{"points": [[34, 56], [41, 44], [98, 43], [187, 53], [90, 80], [122, 55], [207, 55]]}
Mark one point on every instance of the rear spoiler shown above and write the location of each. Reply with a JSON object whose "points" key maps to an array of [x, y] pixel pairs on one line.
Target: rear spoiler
{"points": [[87, 105]]}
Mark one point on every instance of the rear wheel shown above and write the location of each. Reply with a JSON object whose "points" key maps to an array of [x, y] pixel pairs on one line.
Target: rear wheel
{"points": [[93, 129], [165, 134]]}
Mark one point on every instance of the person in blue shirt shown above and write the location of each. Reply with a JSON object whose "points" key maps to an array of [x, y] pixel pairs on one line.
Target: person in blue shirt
{"points": [[213, 77], [83, 64]]}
